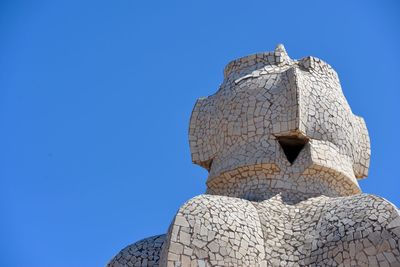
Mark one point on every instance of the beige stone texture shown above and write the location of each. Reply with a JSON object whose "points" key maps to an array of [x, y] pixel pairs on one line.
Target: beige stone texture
{"points": [[284, 152]]}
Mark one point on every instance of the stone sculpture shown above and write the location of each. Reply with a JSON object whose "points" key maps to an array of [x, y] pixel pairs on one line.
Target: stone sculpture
{"points": [[284, 152]]}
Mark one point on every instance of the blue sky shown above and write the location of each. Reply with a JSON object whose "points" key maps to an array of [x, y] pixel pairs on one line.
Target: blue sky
{"points": [[95, 100]]}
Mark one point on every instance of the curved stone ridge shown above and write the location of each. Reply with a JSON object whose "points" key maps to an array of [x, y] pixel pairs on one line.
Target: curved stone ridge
{"points": [[145, 252], [284, 152]]}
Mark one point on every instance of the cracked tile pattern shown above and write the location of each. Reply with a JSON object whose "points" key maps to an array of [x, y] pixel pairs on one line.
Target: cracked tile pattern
{"points": [[284, 152], [145, 252]]}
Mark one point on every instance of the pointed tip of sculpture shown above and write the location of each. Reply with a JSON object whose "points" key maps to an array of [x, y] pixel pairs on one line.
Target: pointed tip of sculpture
{"points": [[278, 56], [280, 48]]}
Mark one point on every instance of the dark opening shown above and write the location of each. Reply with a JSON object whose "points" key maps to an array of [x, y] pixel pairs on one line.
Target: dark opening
{"points": [[207, 164], [292, 145]]}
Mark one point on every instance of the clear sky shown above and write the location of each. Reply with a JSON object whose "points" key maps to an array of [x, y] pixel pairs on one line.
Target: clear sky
{"points": [[95, 100]]}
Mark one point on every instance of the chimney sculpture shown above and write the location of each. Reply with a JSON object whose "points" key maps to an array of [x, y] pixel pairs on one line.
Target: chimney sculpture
{"points": [[284, 152]]}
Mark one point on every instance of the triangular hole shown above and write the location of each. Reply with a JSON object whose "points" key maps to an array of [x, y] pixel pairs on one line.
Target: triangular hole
{"points": [[292, 145]]}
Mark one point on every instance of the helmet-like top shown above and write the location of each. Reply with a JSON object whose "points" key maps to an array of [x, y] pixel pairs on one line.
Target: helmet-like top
{"points": [[278, 124]]}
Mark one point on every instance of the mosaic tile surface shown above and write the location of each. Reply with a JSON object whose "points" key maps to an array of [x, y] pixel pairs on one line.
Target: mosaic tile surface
{"points": [[284, 152]]}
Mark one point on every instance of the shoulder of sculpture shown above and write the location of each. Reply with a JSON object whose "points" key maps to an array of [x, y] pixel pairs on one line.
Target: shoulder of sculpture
{"points": [[215, 210], [215, 224], [391, 222], [145, 252], [367, 201], [377, 203], [371, 209]]}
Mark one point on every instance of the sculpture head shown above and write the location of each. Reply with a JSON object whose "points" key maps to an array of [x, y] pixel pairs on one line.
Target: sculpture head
{"points": [[279, 125]]}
